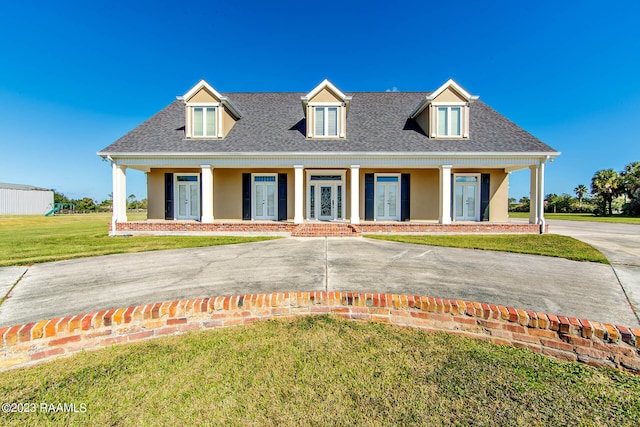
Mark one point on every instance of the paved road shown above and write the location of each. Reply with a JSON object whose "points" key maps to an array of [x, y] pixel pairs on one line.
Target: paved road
{"points": [[315, 264]]}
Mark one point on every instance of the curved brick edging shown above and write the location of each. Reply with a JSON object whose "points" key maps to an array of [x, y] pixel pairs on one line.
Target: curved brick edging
{"points": [[556, 336]]}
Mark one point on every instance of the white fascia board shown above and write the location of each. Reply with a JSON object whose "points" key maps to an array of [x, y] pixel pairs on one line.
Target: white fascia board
{"points": [[542, 155], [325, 84]]}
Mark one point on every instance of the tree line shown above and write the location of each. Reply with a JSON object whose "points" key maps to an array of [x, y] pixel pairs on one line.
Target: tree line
{"points": [[87, 204], [610, 192]]}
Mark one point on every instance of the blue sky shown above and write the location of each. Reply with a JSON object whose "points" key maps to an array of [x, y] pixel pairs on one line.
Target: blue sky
{"points": [[77, 75]]}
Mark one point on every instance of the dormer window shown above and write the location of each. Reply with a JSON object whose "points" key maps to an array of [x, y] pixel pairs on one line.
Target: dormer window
{"points": [[325, 109], [205, 122], [449, 121], [208, 114], [326, 121], [445, 113]]}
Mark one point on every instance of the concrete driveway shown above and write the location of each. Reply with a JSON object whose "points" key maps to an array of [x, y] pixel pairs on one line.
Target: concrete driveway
{"points": [[315, 264], [621, 245]]}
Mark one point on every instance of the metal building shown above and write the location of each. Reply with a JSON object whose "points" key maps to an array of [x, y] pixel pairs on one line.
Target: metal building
{"points": [[17, 199]]}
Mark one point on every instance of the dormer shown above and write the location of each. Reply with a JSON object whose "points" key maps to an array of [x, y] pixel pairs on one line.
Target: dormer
{"points": [[444, 114], [208, 114], [325, 109]]}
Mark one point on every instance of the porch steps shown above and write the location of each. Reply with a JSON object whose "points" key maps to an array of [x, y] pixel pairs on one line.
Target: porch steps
{"points": [[326, 229]]}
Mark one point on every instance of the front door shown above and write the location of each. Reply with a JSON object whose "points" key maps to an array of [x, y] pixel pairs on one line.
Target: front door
{"points": [[265, 197], [188, 190], [325, 196], [466, 206], [387, 199], [327, 203]]}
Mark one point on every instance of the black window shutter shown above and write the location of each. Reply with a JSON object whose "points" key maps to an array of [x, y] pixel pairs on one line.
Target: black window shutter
{"points": [[405, 194], [282, 197], [368, 196], [246, 196], [485, 194], [168, 196]]}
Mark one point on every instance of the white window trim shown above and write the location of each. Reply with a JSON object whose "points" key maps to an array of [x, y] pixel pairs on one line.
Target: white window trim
{"points": [[453, 196], [175, 194], [341, 128], [449, 133], [399, 198], [253, 196], [320, 172], [464, 119], [189, 119]]}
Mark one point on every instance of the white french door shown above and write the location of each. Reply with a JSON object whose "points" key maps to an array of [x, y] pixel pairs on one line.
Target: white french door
{"points": [[265, 197], [187, 188], [466, 200], [387, 197]]}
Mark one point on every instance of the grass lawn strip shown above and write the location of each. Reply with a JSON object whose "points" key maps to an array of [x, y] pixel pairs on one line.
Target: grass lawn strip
{"points": [[33, 239], [552, 245], [582, 217], [321, 371]]}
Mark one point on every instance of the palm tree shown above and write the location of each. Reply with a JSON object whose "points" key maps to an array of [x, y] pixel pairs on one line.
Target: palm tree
{"points": [[605, 184], [580, 191]]}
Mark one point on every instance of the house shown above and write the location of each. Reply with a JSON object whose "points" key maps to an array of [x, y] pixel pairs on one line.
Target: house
{"points": [[361, 158], [19, 199]]}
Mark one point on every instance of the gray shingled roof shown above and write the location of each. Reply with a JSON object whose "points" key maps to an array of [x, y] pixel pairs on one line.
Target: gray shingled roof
{"points": [[377, 122]]}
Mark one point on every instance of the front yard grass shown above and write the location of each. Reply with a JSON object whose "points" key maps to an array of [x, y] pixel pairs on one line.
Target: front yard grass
{"points": [[321, 370], [30, 239], [582, 217], [552, 245]]}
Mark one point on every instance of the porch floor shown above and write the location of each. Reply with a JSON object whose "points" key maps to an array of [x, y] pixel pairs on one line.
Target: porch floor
{"points": [[314, 228]]}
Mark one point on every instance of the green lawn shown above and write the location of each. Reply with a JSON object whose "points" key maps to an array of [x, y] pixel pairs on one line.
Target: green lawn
{"points": [[536, 244], [582, 217], [30, 239], [321, 371]]}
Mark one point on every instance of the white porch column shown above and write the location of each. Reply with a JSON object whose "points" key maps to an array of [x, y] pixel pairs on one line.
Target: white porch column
{"points": [[445, 194], [533, 195], [541, 196], [355, 194], [207, 193], [119, 194], [298, 197]]}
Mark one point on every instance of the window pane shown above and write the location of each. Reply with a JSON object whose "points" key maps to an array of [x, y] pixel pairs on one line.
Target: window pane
{"points": [[182, 200], [264, 178], [271, 200], [455, 121], [260, 200], [387, 179], [319, 121], [471, 200], [380, 200], [333, 121], [393, 199], [442, 121], [187, 178], [194, 200], [197, 121], [459, 201], [211, 122]]}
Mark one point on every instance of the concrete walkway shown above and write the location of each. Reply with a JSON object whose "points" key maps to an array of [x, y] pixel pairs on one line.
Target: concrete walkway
{"points": [[316, 264]]}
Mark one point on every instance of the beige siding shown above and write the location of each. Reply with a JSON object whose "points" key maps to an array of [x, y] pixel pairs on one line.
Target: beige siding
{"points": [[203, 95], [423, 120], [499, 203], [449, 95], [325, 95], [227, 122]]}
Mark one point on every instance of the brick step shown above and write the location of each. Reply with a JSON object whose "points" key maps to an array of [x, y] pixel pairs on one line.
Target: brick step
{"points": [[326, 230]]}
